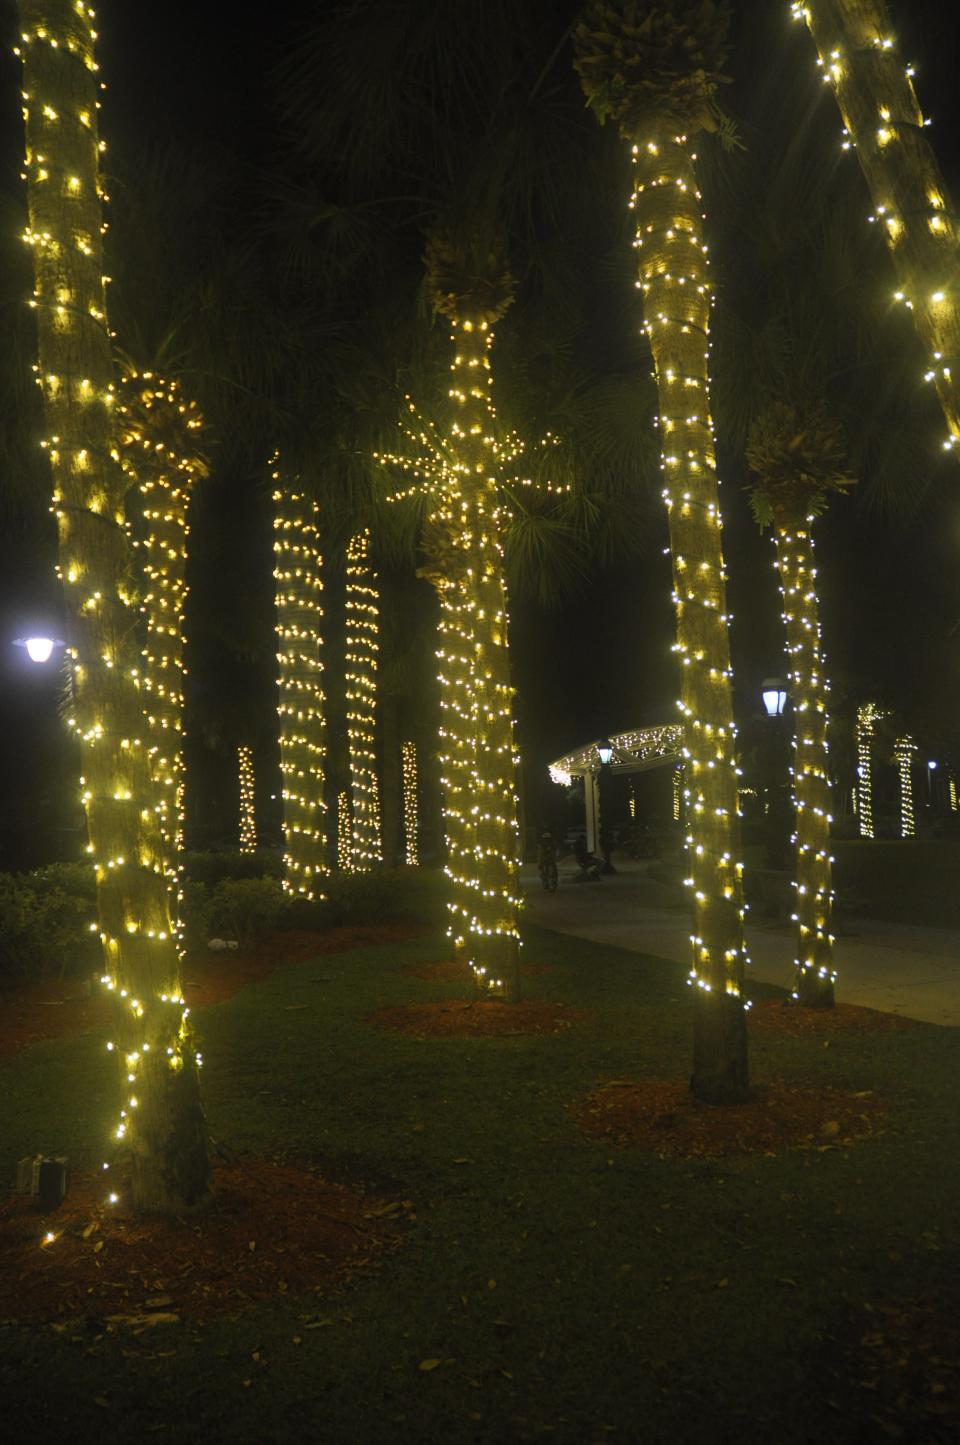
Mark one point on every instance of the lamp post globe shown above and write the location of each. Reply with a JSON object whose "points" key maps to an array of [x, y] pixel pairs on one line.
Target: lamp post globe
{"points": [[39, 649], [773, 690], [605, 752], [38, 646]]}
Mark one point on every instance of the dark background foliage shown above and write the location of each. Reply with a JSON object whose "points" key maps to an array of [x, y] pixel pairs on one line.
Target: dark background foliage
{"points": [[271, 184]]}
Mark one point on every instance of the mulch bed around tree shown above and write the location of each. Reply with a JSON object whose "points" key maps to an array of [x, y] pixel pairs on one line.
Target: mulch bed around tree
{"points": [[270, 1228], [476, 1020], [446, 971], [776, 1016], [54, 1010], [664, 1117]]}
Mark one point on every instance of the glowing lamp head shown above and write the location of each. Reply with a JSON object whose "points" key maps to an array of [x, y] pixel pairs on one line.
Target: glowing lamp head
{"points": [[605, 752], [38, 648], [773, 690]]}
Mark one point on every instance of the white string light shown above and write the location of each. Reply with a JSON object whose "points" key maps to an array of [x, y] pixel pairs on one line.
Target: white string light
{"points": [[300, 704]]}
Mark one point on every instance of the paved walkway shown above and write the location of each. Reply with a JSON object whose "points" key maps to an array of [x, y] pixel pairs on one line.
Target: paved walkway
{"points": [[907, 970]]}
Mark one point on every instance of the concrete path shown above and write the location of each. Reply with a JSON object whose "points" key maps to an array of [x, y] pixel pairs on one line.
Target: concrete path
{"points": [[906, 970]]}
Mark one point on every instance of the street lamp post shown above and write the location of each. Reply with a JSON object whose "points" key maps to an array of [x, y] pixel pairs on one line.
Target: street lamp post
{"points": [[773, 691]]}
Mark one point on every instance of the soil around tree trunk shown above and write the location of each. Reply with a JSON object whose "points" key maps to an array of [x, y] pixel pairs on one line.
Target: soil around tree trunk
{"points": [[664, 1117], [271, 1228]]}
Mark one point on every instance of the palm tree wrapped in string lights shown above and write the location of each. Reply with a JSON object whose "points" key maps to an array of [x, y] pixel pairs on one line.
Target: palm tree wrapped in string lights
{"points": [[654, 69], [798, 456], [461, 469]]}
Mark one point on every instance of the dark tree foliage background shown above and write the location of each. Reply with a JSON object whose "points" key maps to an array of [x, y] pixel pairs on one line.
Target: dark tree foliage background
{"points": [[270, 187]]}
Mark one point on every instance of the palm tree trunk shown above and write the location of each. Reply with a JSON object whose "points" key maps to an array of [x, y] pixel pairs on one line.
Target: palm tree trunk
{"points": [[675, 284], [248, 799], [301, 700], [362, 614], [885, 123], [162, 1122], [815, 975], [485, 869], [151, 414], [867, 716], [904, 749], [411, 804]]}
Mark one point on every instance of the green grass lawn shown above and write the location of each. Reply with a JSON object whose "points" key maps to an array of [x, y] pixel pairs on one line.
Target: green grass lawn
{"points": [[574, 1292]]}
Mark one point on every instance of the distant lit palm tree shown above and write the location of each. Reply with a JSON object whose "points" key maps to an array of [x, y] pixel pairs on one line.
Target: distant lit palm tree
{"points": [[798, 456]]}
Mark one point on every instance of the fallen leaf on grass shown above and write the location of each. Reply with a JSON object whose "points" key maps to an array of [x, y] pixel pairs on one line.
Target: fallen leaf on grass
{"points": [[426, 1365]]}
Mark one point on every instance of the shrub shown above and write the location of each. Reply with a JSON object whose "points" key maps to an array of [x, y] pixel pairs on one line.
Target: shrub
{"points": [[370, 898], [45, 924], [212, 868], [195, 912], [245, 908]]}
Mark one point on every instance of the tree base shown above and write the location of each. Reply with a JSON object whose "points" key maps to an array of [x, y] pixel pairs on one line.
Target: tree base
{"points": [[814, 992], [170, 1167], [720, 1072]]}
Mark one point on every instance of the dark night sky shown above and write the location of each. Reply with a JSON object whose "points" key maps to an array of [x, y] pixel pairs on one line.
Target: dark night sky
{"points": [[890, 583]]}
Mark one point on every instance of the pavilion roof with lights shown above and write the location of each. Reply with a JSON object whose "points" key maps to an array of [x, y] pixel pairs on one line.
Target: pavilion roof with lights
{"points": [[634, 751]]}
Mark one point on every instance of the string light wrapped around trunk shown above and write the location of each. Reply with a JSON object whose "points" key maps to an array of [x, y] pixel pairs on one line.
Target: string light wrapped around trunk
{"points": [[675, 285], [248, 810], [300, 705], [868, 715], [885, 125], [411, 854], [362, 648], [344, 833], [655, 71], [161, 1123], [904, 749], [815, 974], [160, 434]]}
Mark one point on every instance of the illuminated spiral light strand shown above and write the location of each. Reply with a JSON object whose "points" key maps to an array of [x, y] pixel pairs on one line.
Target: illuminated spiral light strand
{"points": [[161, 1119], [362, 649], [486, 904], [868, 715], [954, 801], [248, 810], [300, 704], [461, 469], [814, 975], [675, 285], [411, 855], [344, 833], [904, 749], [159, 450], [885, 125]]}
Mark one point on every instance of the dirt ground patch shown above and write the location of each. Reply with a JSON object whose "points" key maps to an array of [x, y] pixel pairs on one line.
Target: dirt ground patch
{"points": [[664, 1117], [446, 971], [776, 1016], [270, 1227], [54, 1010], [476, 1020]]}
